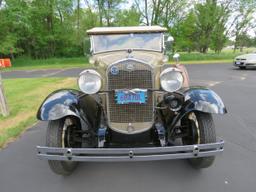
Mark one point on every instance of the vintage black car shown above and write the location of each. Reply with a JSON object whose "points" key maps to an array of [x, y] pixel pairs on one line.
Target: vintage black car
{"points": [[131, 106]]}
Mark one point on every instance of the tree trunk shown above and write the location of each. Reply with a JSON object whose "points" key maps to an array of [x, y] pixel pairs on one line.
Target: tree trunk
{"points": [[100, 12], [156, 12], [166, 20], [146, 12], [61, 16], [78, 15], [49, 24], [108, 13], [205, 49], [236, 43]]}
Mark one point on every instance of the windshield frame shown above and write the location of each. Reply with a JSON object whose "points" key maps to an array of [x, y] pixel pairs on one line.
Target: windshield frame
{"points": [[135, 49]]}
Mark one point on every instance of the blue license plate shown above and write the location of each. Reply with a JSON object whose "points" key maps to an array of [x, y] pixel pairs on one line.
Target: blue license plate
{"points": [[126, 97]]}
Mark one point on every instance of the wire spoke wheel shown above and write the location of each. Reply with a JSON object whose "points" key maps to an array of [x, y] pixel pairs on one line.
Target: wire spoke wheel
{"points": [[61, 133]]}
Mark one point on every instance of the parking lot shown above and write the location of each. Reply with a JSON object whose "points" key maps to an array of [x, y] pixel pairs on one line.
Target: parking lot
{"points": [[233, 171]]}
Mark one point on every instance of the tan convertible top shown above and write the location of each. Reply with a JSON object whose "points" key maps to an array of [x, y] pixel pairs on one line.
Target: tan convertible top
{"points": [[123, 30]]}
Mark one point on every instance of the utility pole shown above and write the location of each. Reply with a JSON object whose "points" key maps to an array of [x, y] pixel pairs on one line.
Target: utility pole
{"points": [[3, 104]]}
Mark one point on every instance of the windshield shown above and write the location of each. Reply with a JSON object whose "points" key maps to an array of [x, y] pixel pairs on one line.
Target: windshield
{"points": [[145, 41]]}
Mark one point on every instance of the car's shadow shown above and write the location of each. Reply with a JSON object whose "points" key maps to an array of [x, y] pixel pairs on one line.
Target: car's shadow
{"points": [[133, 172], [246, 69]]}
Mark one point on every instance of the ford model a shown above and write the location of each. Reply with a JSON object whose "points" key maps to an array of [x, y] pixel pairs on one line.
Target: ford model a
{"points": [[131, 106]]}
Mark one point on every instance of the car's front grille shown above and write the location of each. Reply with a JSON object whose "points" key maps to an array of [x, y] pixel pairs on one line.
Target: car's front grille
{"points": [[241, 59], [130, 74]]}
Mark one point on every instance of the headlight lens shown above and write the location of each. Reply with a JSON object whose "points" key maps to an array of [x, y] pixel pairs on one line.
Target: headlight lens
{"points": [[171, 79], [89, 81]]}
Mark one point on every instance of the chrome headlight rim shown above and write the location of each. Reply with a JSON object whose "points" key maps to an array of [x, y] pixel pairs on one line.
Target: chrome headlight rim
{"points": [[82, 82], [169, 71]]}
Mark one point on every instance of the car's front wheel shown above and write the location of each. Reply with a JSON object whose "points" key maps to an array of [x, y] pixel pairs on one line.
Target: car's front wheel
{"points": [[60, 134], [242, 67], [201, 130]]}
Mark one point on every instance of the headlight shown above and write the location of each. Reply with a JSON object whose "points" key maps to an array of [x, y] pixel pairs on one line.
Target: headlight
{"points": [[171, 79], [89, 81]]}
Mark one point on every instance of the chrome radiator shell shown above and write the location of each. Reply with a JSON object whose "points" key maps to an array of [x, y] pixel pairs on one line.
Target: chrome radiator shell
{"points": [[130, 74]]}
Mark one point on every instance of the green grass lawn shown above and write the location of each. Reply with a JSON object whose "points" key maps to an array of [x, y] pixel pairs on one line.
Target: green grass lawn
{"points": [[24, 96], [226, 56], [207, 58]]}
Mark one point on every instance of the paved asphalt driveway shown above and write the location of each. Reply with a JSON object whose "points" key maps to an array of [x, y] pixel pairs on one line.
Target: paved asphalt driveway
{"points": [[42, 73], [233, 171]]}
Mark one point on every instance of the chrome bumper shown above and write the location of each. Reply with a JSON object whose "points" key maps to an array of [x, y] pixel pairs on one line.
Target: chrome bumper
{"points": [[130, 154], [243, 64]]}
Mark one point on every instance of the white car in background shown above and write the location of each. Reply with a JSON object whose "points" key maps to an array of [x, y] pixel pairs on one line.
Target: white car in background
{"points": [[246, 60]]}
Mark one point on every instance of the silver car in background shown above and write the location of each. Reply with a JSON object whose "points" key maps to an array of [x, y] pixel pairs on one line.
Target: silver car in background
{"points": [[246, 60]]}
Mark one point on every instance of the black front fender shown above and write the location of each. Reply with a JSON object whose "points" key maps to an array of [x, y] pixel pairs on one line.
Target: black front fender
{"points": [[59, 104], [204, 100], [199, 99]]}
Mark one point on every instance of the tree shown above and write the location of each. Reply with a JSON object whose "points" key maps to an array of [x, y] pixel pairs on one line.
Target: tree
{"points": [[128, 17], [107, 10], [13, 19], [244, 40], [243, 19], [185, 33], [162, 12], [205, 22], [218, 36], [56, 28]]}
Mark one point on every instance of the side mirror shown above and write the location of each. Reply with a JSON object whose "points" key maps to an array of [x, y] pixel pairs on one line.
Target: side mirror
{"points": [[176, 57]]}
